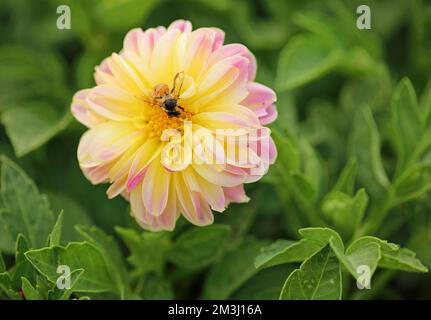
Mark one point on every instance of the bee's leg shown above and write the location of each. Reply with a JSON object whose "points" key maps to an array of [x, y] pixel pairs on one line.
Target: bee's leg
{"points": [[180, 107], [150, 102], [173, 113]]}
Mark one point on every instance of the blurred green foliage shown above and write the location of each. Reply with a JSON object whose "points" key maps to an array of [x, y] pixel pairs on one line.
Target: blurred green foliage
{"points": [[354, 163]]}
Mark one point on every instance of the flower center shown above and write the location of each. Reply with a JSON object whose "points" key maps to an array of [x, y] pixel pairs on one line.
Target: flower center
{"points": [[154, 120]]}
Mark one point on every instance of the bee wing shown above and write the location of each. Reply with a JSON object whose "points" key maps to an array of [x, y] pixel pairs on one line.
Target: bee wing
{"points": [[177, 85]]}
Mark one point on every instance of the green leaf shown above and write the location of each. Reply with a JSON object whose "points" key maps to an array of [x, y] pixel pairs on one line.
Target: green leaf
{"points": [[303, 188], [365, 147], [304, 59], [366, 255], [233, 270], [407, 124], [64, 294], [426, 104], [358, 61], [21, 65], [156, 288], [55, 236], [2, 264], [322, 236], [428, 114], [111, 252], [345, 212], [413, 183], [12, 295], [5, 287], [288, 152], [30, 293], [346, 180], [322, 25], [289, 160], [96, 276], [18, 65], [420, 243], [221, 5], [6, 241], [199, 247], [147, 250], [402, 259], [42, 285], [240, 217], [27, 211], [22, 267], [319, 278], [74, 214], [122, 14], [85, 65], [312, 165], [364, 241], [258, 33], [265, 285], [337, 27], [372, 89], [392, 256], [4, 279], [32, 124], [286, 251]]}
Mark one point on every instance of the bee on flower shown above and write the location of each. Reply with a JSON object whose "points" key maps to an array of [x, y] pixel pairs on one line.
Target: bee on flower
{"points": [[176, 124]]}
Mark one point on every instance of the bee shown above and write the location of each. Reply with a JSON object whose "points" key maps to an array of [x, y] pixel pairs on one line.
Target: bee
{"points": [[167, 98]]}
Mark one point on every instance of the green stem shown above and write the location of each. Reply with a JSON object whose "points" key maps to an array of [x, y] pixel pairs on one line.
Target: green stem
{"points": [[294, 222], [139, 285], [376, 216], [311, 215]]}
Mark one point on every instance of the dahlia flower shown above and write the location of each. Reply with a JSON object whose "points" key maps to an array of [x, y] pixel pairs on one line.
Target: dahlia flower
{"points": [[176, 124]]}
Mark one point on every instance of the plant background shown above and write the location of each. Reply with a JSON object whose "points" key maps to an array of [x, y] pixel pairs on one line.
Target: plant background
{"points": [[342, 117]]}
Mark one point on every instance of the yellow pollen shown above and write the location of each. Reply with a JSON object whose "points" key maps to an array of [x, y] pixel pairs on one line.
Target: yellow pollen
{"points": [[154, 120]]}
